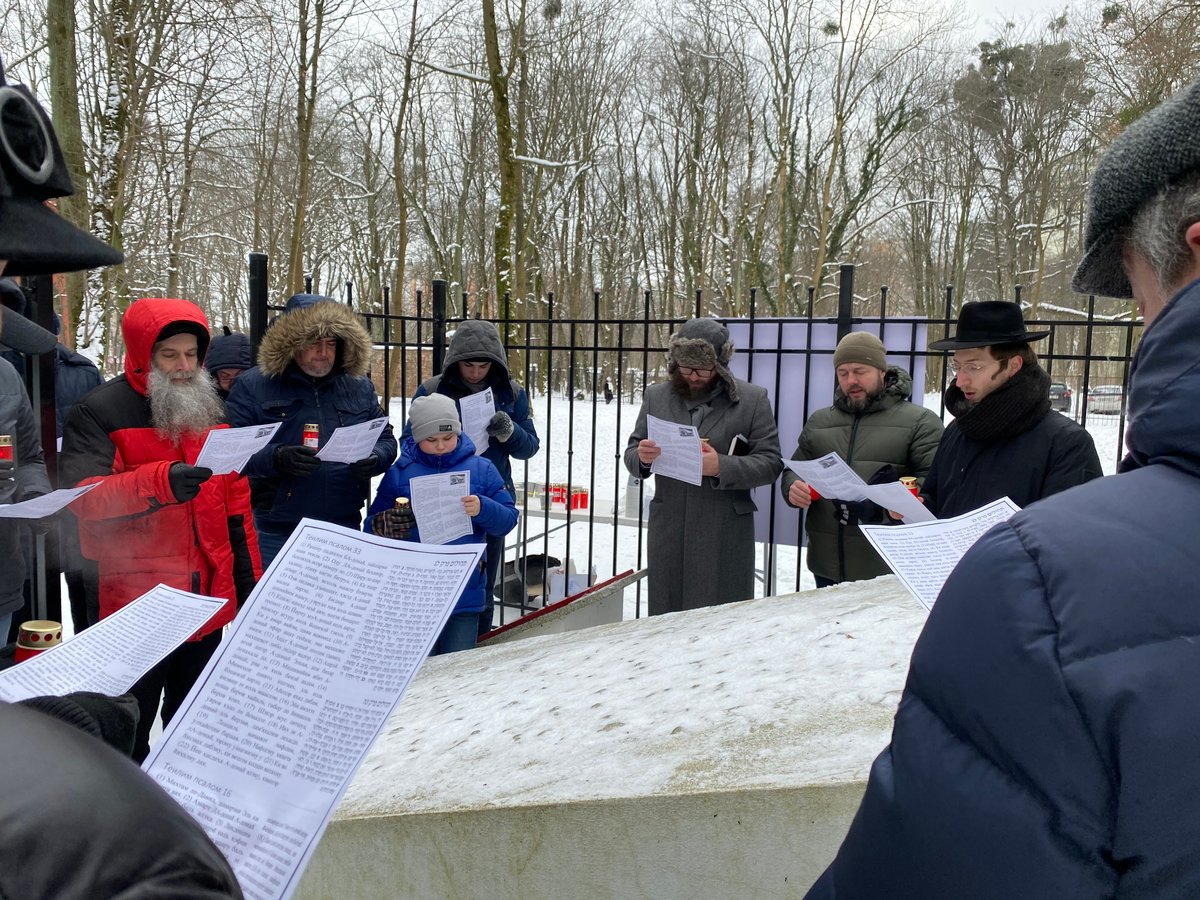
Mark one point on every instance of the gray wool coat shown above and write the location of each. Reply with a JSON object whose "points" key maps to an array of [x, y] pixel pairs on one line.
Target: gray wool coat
{"points": [[701, 537]]}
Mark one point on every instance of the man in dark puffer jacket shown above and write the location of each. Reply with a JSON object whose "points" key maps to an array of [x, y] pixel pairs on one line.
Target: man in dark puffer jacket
{"points": [[1046, 742], [881, 434], [312, 370]]}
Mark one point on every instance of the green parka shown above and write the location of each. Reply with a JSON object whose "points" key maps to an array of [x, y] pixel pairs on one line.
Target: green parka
{"points": [[890, 430]]}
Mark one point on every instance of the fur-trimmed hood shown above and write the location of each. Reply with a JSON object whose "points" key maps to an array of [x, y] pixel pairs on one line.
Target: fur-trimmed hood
{"points": [[300, 327]]}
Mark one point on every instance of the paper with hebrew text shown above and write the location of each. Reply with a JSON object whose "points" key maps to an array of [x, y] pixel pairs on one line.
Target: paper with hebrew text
{"points": [[111, 655], [228, 450], [477, 411], [437, 505], [45, 505], [923, 555], [350, 443], [680, 446], [267, 741]]}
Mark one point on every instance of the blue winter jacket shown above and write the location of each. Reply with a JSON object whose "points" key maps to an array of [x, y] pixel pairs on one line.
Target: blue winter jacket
{"points": [[1047, 744], [497, 511], [480, 339]]}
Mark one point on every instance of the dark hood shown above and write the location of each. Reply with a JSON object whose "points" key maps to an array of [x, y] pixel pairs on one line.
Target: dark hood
{"points": [[1163, 387], [476, 339]]}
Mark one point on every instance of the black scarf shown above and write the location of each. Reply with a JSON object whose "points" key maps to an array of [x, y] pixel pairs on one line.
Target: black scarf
{"points": [[1012, 409]]}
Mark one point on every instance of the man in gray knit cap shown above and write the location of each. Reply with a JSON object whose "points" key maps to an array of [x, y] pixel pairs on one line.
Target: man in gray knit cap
{"points": [[1046, 742], [701, 537], [877, 429]]}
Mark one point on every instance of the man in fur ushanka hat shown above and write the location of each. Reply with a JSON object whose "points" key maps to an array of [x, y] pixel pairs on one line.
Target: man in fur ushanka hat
{"points": [[312, 370], [701, 537]]}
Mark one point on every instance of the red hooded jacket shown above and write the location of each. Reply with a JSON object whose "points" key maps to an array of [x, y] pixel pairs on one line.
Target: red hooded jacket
{"points": [[131, 524]]}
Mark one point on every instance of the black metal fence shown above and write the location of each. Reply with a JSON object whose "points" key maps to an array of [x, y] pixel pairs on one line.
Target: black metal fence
{"points": [[567, 363]]}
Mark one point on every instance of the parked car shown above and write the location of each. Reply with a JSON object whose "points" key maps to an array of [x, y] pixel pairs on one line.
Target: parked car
{"points": [[1106, 398], [1060, 396]]}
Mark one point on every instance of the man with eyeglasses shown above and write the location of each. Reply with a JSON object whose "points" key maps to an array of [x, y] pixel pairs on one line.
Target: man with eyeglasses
{"points": [[1005, 440], [1047, 740], [881, 434], [701, 537]]}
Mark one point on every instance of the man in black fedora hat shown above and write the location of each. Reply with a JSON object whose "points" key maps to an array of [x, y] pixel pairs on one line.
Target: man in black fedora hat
{"points": [[1005, 441], [1046, 742]]}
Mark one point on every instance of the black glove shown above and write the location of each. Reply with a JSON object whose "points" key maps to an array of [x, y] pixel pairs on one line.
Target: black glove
{"points": [[396, 523], [364, 469], [501, 426], [185, 480], [296, 461], [852, 512], [7, 468]]}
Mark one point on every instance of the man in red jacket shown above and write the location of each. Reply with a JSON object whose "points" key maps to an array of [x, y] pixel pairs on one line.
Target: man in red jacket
{"points": [[156, 517]]}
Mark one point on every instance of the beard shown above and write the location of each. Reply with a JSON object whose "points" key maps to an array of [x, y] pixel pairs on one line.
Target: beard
{"points": [[684, 389], [861, 403], [183, 403]]}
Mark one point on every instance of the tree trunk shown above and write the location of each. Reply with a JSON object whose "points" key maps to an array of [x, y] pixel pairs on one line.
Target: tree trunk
{"points": [[64, 94]]}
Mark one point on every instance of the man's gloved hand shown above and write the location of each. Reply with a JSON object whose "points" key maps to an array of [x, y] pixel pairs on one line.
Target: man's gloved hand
{"points": [[364, 469], [7, 468], [852, 512], [501, 426], [297, 461], [185, 480], [394, 523]]}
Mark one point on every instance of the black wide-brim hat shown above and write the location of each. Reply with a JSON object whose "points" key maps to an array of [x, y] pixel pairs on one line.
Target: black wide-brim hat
{"points": [[38, 241], [34, 239], [986, 323]]}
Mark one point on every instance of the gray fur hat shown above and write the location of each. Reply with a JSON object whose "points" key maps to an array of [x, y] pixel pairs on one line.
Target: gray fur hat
{"points": [[704, 344], [432, 414], [1157, 150], [701, 344]]}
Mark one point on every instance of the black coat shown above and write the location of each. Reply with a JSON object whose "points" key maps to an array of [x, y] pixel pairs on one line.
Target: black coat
{"points": [[1047, 740], [79, 821], [1055, 454]]}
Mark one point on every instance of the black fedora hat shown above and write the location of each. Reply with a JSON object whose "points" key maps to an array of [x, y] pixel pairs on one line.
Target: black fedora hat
{"points": [[985, 323], [34, 239]]}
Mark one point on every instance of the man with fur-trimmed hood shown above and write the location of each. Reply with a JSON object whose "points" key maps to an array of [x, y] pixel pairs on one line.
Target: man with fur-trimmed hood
{"points": [[701, 537], [312, 370]]}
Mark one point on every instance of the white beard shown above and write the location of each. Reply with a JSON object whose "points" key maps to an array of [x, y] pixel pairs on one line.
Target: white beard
{"points": [[185, 403]]}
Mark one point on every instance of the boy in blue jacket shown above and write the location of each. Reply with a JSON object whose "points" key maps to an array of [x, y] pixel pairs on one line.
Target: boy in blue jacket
{"points": [[437, 446]]}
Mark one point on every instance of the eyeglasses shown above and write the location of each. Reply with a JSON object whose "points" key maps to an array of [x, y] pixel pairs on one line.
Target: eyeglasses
{"points": [[970, 369], [687, 371]]}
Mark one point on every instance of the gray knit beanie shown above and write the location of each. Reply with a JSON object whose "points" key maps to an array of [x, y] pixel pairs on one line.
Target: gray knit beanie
{"points": [[1154, 152], [861, 347], [433, 414]]}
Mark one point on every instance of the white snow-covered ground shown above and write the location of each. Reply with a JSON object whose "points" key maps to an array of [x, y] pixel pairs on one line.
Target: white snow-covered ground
{"points": [[782, 691], [582, 445]]}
